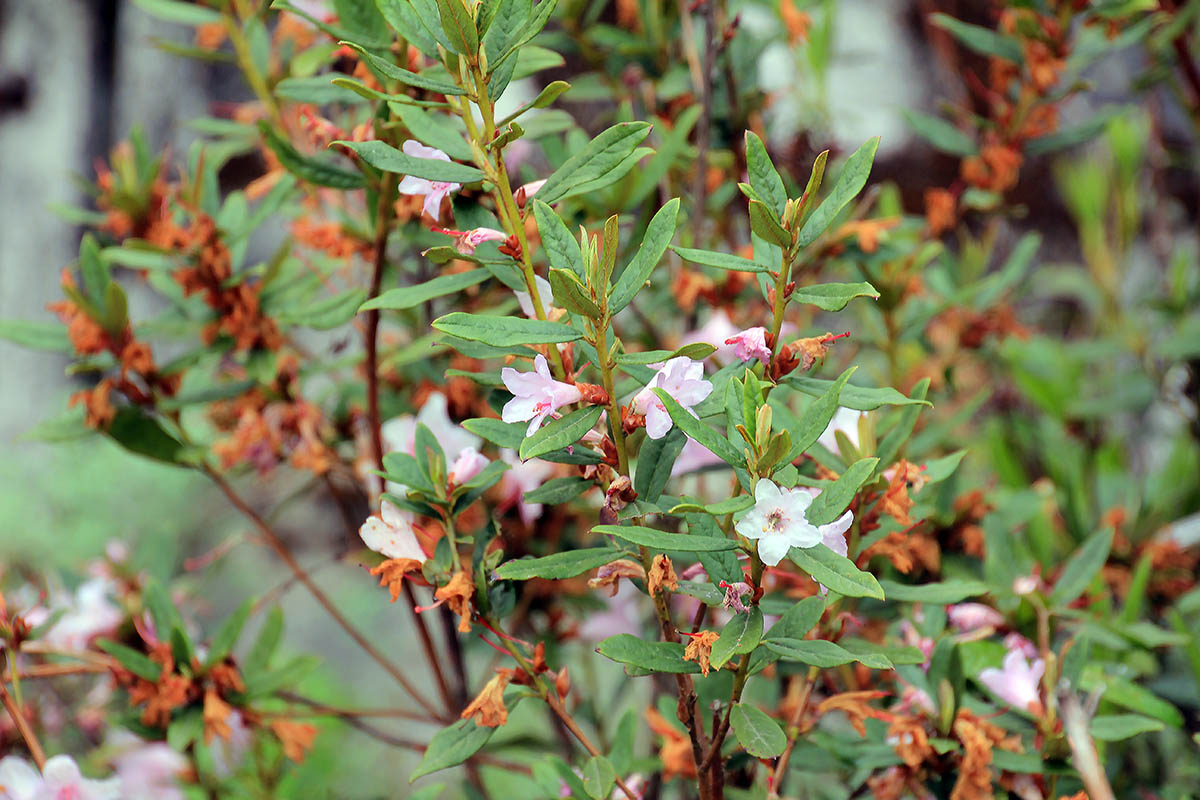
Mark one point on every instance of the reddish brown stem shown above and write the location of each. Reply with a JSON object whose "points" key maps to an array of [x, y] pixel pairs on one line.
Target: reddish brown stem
{"points": [[18, 718]]}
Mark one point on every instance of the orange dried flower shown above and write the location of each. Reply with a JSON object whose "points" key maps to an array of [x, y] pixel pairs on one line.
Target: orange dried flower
{"points": [[457, 594], [488, 707], [855, 706], [699, 649], [662, 576], [676, 749], [941, 210], [392, 572], [978, 738], [912, 741], [216, 717], [296, 737], [97, 403], [609, 576], [795, 21]]}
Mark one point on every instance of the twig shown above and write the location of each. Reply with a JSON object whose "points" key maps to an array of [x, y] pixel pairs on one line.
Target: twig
{"points": [[319, 709], [1083, 749], [54, 671], [793, 733], [281, 549], [18, 718], [371, 335], [703, 133]]}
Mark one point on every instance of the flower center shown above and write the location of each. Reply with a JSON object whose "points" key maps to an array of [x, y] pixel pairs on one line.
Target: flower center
{"points": [[775, 520]]}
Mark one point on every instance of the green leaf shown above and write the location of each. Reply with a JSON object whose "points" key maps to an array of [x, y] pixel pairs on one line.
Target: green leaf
{"points": [[739, 636], [659, 233], [730, 505], [719, 260], [405, 470], [835, 572], [50, 336], [601, 156], [572, 295], [558, 566], [412, 296], [545, 98], [859, 398], [499, 433], [403, 18], [265, 645], [307, 168], [559, 490], [459, 27], [556, 434], [532, 28], [895, 654], [504, 331], [760, 735], [1127, 694], [849, 183], [697, 430], [226, 637], [1083, 565], [940, 133], [401, 75], [663, 541], [452, 746], [836, 498], [1117, 727], [137, 432], [765, 223], [697, 351], [833, 296], [598, 777], [763, 176], [561, 248], [982, 40], [655, 460], [327, 313], [434, 130], [798, 620], [942, 593], [138, 663], [816, 417], [179, 12], [387, 158], [820, 653], [625, 648]]}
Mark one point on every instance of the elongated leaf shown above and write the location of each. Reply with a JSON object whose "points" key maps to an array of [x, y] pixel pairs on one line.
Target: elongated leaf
{"points": [[136, 662], [821, 653], [558, 490], [739, 636], [663, 541], [625, 648], [411, 296], [833, 296], [504, 331], [309, 169], [836, 498], [659, 233], [731, 505], [459, 27], [498, 432], [387, 158], [559, 433], [1083, 565], [763, 175], [654, 463], [434, 130], [760, 735], [570, 293], [940, 133], [765, 223], [226, 637], [50, 336], [816, 417], [559, 565], [138, 432], [835, 572], [850, 182], [719, 260], [982, 40], [1117, 727], [601, 155], [797, 621], [696, 429], [941, 593], [533, 27], [452, 746], [401, 75], [697, 351], [327, 312], [859, 398], [561, 248], [179, 12], [403, 18]]}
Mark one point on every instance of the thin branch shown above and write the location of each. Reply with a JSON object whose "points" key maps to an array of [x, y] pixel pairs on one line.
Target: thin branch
{"points": [[704, 131], [1083, 749], [793, 733], [18, 718], [319, 709]]}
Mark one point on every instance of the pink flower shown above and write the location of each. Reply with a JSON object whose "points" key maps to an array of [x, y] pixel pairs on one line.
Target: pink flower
{"points": [[391, 533], [1017, 682], [536, 395], [524, 476], [1025, 584], [751, 343], [973, 616], [682, 379], [60, 778], [88, 613], [465, 242], [716, 330], [694, 456], [545, 294], [434, 191], [1015, 641], [470, 462], [528, 190], [148, 770]]}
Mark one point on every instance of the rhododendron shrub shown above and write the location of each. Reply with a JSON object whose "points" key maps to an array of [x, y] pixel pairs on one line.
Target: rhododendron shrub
{"points": [[693, 460]]}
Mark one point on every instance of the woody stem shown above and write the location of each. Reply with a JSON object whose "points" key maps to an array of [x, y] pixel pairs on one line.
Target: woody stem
{"points": [[614, 407], [780, 303], [23, 727], [793, 733]]}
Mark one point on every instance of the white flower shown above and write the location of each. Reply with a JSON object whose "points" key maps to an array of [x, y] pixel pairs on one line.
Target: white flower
{"points": [[400, 433], [60, 780], [391, 533], [715, 331], [536, 395], [545, 293], [973, 616], [470, 462], [524, 476], [434, 191], [682, 379], [844, 420], [751, 343], [777, 521], [148, 770], [89, 613], [694, 456], [1017, 683]]}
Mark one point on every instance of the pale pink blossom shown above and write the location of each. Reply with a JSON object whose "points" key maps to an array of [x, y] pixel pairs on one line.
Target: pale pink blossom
{"points": [[433, 191], [1025, 584], [528, 190], [844, 420], [88, 613], [147, 770], [400, 433], [522, 477], [734, 592], [973, 616], [536, 395], [778, 521], [683, 380], [914, 698], [470, 462], [716, 330], [465, 242], [60, 779], [545, 294], [750, 344], [228, 754], [1017, 682], [1015, 641], [622, 614], [391, 533], [694, 456]]}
